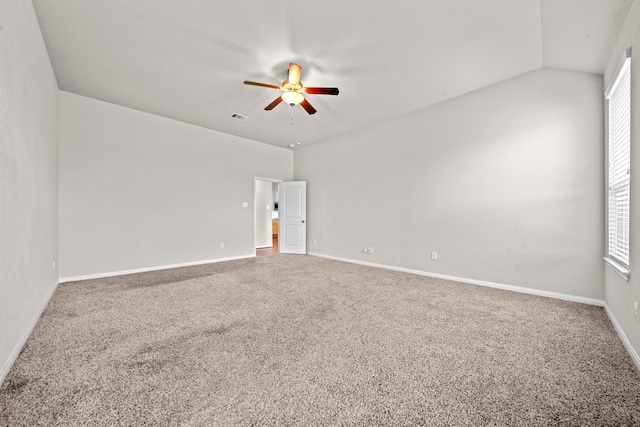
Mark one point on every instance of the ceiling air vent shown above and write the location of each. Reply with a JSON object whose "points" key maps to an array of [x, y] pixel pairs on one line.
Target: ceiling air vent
{"points": [[238, 116]]}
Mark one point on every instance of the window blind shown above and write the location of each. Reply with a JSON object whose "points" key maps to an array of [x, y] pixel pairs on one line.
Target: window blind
{"points": [[619, 96]]}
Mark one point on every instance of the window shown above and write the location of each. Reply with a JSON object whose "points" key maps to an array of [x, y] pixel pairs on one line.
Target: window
{"points": [[619, 96]]}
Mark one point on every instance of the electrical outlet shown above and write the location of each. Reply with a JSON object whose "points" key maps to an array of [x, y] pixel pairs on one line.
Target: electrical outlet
{"points": [[221, 245], [368, 250], [434, 255], [635, 310], [54, 267], [315, 241]]}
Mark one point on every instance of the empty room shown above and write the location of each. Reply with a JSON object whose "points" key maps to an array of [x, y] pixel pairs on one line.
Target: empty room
{"points": [[319, 213]]}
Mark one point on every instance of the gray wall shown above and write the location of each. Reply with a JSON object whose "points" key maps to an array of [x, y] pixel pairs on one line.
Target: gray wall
{"points": [[28, 176], [140, 191], [619, 294], [505, 183]]}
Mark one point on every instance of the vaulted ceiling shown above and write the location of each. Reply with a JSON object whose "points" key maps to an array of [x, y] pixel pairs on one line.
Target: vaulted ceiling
{"points": [[187, 60]]}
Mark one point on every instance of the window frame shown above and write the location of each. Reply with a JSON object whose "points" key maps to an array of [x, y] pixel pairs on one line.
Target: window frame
{"points": [[619, 167]]}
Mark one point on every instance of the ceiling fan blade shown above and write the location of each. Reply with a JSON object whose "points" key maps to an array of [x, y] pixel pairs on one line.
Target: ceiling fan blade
{"points": [[247, 82], [305, 104], [271, 106], [294, 73], [322, 90]]}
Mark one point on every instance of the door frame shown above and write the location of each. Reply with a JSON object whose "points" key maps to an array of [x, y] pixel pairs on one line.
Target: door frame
{"points": [[255, 206]]}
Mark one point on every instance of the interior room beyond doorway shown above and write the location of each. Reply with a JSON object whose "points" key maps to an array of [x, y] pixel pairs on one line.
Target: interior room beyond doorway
{"points": [[266, 217]]}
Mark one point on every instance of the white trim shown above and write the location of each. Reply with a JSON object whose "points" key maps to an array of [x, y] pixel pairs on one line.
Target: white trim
{"points": [[590, 301], [265, 246], [255, 218], [555, 295], [627, 344], [625, 341], [16, 352], [626, 56], [146, 269], [619, 167], [618, 268]]}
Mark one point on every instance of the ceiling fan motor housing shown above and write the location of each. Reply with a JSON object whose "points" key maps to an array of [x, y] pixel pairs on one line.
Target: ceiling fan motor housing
{"points": [[287, 86]]}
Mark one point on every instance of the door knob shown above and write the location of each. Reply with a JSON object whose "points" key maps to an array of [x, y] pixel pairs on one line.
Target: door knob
{"points": [[303, 221]]}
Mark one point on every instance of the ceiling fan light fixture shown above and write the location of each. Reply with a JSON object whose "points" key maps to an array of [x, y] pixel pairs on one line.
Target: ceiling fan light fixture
{"points": [[292, 98], [293, 91]]}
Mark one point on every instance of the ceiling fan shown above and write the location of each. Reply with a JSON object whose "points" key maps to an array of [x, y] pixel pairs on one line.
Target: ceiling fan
{"points": [[293, 91]]}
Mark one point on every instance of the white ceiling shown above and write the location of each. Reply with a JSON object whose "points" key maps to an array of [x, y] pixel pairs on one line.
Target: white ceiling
{"points": [[187, 60]]}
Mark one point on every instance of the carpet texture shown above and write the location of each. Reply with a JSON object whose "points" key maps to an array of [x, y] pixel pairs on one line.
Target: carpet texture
{"points": [[299, 340]]}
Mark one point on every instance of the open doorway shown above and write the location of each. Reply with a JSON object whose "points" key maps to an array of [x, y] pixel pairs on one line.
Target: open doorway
{"points": [[266, 216]]}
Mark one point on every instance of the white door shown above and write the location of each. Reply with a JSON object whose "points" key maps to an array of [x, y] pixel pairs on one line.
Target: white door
{"points": [[292, 217]]}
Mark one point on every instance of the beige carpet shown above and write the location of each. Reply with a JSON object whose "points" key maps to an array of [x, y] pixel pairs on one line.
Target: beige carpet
{"points": [[298, 340]]}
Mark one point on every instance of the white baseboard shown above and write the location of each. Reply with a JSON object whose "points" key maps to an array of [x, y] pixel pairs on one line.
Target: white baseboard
{"points": [[590, 301], [634, 355], [16, 352], [623, 337], [147, 269], [555, 295], [265, 246]]}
